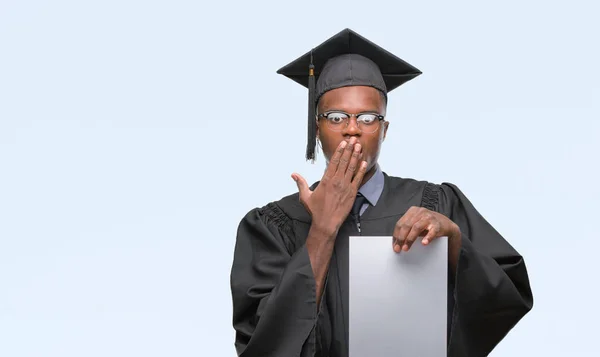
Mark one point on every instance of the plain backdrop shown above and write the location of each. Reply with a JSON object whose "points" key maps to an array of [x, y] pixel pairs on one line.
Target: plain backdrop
{"points": [[134, 135]]}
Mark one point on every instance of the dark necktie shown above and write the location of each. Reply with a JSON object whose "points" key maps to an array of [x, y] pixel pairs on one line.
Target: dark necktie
{"points": [[358, 203]]}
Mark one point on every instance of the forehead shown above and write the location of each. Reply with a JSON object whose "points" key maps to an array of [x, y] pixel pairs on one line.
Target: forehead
{"points": [[352, 99]]}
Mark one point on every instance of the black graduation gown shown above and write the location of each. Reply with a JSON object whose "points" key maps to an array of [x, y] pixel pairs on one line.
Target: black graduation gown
{"points": [[274, 291]]}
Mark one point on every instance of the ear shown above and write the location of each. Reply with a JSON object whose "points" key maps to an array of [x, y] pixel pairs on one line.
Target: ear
{"points": [[385, 128], [318, 130]]}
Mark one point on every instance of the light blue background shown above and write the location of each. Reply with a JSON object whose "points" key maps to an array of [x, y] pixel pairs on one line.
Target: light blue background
{"points": [[134, 135]]}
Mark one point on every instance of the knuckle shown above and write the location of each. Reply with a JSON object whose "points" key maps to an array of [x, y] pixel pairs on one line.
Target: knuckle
{"points": [[352, 168]]}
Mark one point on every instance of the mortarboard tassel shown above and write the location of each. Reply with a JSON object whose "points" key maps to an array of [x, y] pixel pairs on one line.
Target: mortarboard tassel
{"points": [[312, 120]]}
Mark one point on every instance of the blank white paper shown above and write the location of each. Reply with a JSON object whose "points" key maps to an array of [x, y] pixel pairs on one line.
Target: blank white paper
{"points": [[398, 301]]}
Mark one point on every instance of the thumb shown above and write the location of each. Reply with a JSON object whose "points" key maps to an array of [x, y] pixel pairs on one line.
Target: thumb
{"points": [[303, 188]]}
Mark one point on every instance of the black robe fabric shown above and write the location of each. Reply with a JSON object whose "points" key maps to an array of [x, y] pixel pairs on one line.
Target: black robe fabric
{"points": [[275, 313]]}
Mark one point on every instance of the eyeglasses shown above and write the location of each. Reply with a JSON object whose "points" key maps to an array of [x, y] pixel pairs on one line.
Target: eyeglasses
{"points": [[337, 121]]}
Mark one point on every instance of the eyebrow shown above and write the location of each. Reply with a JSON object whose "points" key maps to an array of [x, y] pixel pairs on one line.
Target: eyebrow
{"points": [[344, 111]]}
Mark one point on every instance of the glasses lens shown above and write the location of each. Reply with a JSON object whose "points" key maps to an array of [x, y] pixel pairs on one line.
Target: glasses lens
{"points": [[336, 121], [368, 123]]}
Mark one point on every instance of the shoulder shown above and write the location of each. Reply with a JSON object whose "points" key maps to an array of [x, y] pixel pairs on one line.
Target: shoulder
{"points": [[280, 213], [287, 208], [397, 183], [275, 221], [404, 183], [430, 194], [410, 184]]}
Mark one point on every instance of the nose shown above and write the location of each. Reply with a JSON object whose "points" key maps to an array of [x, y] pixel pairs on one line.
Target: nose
{"points": [[352, 128]]}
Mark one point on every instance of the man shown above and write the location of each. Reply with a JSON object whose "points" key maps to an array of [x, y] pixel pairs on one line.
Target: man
{"points": [[289, 278]]}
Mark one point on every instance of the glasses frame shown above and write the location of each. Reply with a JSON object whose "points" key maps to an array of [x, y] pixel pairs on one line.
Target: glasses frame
{"points": [[347, 120]]}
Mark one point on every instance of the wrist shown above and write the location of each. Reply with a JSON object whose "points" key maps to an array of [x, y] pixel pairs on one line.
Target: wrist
{"points": [[454, 240], [323, 232]]}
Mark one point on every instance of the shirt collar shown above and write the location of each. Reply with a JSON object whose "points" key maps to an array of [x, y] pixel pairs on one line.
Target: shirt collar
{"points": [[373, 188]]}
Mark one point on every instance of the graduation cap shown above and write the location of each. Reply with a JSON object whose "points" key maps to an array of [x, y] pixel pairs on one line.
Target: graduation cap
{"points": [[345, 59]]}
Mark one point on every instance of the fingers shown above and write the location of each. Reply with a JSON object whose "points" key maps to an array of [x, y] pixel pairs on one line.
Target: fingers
{"points": [[360, 174], [432, 233], [354, 163], [334, 162], [345, 158], [416, 231], [417, 222], [303, 188], [347, 163], [402, 228]]}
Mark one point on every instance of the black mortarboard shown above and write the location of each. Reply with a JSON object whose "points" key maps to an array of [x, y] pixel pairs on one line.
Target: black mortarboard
{"points": [[345, 59]]}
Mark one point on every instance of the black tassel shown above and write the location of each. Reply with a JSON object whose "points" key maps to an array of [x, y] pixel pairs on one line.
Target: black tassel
{"points": [[312, 108]]}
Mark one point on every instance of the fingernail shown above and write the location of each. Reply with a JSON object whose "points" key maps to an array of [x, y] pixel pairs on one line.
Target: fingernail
{"points": [[344, 144], [357, 147]]}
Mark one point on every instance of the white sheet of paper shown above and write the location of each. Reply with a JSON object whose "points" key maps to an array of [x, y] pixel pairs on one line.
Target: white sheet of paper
{"points": [[398, 301]]}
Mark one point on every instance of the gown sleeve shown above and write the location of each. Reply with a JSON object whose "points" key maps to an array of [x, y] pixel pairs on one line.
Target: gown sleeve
{"points": [[490, 290], [273, 288]]}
